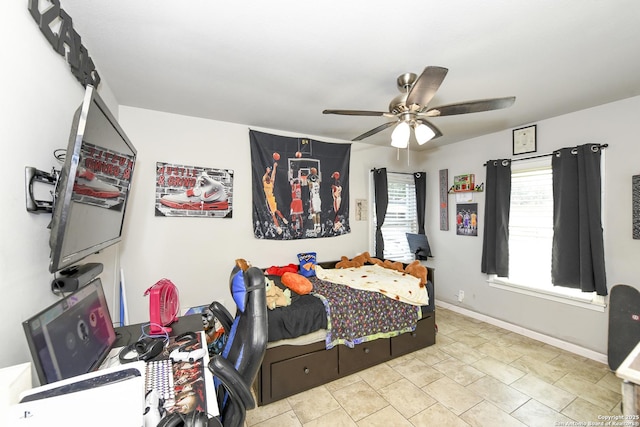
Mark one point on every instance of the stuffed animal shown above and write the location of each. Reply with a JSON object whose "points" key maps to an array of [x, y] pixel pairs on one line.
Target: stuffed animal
{"points": [[393, 265], [276, 297], [372, 260], [242, 264], [418, 270], [347, 263]]}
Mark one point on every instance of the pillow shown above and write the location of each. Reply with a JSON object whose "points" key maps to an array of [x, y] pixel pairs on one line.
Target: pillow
{"points": [[239, 290], [307, 264], [297, 283]]}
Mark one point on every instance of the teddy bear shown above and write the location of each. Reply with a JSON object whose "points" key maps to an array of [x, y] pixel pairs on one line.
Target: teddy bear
{"points": [[418, 270], [276, 297]]}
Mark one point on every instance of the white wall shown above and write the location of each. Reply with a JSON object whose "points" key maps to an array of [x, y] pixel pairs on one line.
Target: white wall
{"points": [[457, 258], [197, 254], [39, 98]]}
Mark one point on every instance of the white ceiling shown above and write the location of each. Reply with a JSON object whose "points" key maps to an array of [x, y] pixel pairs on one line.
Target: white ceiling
{"points": [[277, 64]]}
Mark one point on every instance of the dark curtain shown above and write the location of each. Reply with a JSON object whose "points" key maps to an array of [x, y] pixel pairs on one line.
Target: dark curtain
{"points": [[420, 182], [382, 200], [578, 246], [495, 246]]}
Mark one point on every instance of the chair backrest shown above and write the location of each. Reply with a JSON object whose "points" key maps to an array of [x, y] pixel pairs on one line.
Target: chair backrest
{"points": [[247, 340]]}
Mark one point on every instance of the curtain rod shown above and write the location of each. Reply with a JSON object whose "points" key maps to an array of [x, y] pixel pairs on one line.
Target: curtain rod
{"points": [[544, 155], [400, 173]]}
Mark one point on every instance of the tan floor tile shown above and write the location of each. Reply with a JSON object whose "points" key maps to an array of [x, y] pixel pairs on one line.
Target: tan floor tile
{"points": [[360, 400], [385, 417], [418, 372], [593, 393], [380, 375], [611, 381], [538, 368], [459, 372], [468, 338], [313, 403], [452, 395], [406, 398], [337, 418], [582, 411], [504, 397], [587, 369], [262, 413], [550, 395], [536, 351], [485, 414], [498, 370], [437, 415], [502, 353], [431, 355], [462, 352], [342, 382], [535, 414], [288, 419]]}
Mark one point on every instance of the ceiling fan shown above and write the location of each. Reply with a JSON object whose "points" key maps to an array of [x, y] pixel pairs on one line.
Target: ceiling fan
{"points": [[410, 109]]}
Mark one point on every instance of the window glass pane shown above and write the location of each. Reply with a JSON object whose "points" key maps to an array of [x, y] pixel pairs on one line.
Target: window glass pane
{"points": [[531, 227], [401, 217]]}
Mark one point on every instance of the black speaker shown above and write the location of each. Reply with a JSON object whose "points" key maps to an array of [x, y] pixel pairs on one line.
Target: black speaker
{"points": [[75, 277]]}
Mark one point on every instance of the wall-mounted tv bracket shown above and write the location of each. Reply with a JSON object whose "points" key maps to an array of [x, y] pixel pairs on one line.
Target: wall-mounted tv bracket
{"points": [[32, 175]]}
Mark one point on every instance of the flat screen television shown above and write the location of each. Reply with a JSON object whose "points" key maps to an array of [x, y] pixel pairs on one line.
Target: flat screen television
{"points": [[72, 336], [92, 189], [419, 246]]}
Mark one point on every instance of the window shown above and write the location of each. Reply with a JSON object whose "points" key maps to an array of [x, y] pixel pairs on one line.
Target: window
{"points": [[531, 237], [401, 217]]}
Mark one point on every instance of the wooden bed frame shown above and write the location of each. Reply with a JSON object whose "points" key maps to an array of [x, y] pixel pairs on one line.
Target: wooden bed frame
{"points": [[290, 369]]}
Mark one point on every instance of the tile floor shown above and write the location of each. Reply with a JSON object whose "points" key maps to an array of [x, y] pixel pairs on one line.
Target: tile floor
{"points": [[476, 374]]}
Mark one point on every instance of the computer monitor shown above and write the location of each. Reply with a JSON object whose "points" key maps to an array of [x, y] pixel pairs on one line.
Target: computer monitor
{"points": [[72, 336], [419, 246]]}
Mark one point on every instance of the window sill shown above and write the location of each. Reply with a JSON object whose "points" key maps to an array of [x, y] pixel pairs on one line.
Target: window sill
{"points": [[597, 304]]}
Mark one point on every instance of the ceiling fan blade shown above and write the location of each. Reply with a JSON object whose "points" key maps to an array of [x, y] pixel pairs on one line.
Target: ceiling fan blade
{"points": [[355, 112], [374, 131], [470, 107], [435, 130], [426, 86]]}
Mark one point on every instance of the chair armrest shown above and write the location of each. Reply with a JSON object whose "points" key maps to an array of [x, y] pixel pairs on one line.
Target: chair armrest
{"points": [[222, 314], [239, 392]]}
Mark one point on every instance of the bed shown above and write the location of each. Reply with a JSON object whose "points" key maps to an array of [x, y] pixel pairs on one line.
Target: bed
{"points": [[323, 336]]}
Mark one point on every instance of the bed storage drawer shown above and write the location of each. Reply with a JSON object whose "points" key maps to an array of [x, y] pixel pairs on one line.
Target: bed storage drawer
{"points": [[303, 372], [422, 337], [363, 355]]}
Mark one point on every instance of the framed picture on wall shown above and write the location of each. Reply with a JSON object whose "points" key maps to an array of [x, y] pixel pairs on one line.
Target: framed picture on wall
{"points": [[635, 197], [524, 140], [467, 219]]}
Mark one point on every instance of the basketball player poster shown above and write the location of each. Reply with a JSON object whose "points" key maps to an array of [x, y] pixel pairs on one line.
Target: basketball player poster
{"points": [[300, 187]]}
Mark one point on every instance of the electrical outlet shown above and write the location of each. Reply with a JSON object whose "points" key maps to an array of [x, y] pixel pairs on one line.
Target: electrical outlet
{"points": [[460, 295]]}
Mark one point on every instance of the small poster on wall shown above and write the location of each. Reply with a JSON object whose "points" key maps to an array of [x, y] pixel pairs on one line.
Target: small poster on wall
{"points": [[193, 191], [467, 219]]}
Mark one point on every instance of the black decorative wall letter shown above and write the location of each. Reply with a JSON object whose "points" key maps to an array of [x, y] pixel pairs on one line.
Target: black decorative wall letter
{"points": [[66, 42]]}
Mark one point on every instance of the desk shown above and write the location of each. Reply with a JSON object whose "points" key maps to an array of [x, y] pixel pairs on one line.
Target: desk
{"points": [[127, 335], [629, 371]]}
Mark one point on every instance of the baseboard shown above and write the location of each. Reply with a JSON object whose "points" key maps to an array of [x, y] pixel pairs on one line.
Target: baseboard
{"points": [[576, 349]]}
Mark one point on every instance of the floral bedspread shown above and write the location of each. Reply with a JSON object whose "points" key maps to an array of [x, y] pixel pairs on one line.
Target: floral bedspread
{"points": [[356, 316]]}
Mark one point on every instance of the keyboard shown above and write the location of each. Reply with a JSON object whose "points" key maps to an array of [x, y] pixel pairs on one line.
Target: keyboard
{"points": [[159, 377]]}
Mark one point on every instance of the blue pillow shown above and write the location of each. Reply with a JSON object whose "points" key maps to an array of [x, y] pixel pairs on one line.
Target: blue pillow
{"points": [[307, 264], [239, 291]]}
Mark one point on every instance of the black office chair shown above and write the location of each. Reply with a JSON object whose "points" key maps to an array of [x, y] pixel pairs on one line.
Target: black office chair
{"points": [[237, 367]]}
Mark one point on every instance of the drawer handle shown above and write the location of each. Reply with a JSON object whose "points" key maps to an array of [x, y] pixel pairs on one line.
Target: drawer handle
{"points": [[307, 370], [366, 350]]}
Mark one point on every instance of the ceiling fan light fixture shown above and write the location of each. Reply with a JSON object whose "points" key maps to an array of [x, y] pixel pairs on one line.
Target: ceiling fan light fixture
{"points": [[423, 133], [400, 135]]}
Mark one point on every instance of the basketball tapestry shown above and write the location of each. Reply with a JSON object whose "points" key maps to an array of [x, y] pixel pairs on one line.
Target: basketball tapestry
{"points": [[300, 187]]}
